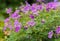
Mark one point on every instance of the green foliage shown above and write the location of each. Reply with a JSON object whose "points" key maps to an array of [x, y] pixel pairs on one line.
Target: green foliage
{"points": [[39, 32], [1, 28]]}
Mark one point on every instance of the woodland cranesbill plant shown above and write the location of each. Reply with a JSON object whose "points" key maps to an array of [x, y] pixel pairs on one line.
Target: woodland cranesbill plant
{"points": [[38, 22]]}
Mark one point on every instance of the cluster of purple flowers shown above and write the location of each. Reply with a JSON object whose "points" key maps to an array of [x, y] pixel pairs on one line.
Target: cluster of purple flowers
{"points": [[51, 6], [9, 10], [50, 34], [31, 23], [8, 23], [35, 9], [45, 0], [40, 0], [57, 31], [17, 25], [15, 16]]}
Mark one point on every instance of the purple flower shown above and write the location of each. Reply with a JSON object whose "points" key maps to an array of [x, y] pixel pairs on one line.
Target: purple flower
{"points": [[9, 10], [26, 8], [17, 11], [55, 0], [47, 8], [39, 7], [58, 30], [43, 0], [10, 26], [17, 26], [32, 16], [51, 5], [17, 29], [4, 28], [50, 34], [16, 23], [38, 0], [31, 23], [15, 15], [36, 13], [34, 9], [7, 25], [7, 20]]}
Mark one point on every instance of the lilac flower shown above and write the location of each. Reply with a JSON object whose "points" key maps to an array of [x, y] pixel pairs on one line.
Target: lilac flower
{"points": [[55, 0], [33, 7], [34, 4], [31, 16], [7, 20], [31, 23], [50, 6], [50, 34], [10, 26], [58, 30], [4, 28], [9, 10], [17, 11], [7, 24], [16, 23], [17, 26], [47, 8], [17, 29], [26, 8], [38, 0], [39, 7], [35, 13], [15, 15], [43, 0]]}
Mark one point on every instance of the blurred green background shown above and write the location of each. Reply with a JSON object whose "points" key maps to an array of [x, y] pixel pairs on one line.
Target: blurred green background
{"points": [[8, 3]]}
